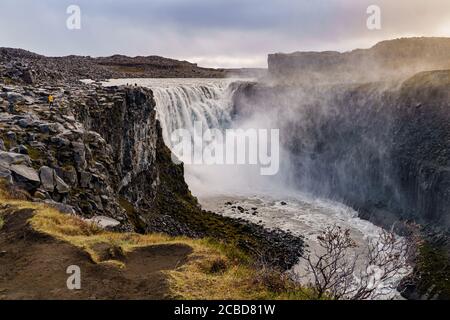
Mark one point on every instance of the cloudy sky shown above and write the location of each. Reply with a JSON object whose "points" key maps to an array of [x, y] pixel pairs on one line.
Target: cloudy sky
{"points": [[217, 33]]}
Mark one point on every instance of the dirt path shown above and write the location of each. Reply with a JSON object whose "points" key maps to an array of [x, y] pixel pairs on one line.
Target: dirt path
{"points": [[33, 266]]}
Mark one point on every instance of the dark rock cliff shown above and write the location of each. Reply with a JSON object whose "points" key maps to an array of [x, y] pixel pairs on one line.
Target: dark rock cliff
{"points": [[381, 147]]}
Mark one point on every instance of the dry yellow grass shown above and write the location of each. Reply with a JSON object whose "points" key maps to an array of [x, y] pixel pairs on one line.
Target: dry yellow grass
{"points": [[213, 270]]}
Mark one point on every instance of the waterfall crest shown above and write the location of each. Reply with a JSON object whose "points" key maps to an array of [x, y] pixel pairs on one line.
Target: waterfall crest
{"points": [[179, 106]]}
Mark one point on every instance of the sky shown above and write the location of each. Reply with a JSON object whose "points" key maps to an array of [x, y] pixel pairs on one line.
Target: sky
{"points": [[213, 33]]}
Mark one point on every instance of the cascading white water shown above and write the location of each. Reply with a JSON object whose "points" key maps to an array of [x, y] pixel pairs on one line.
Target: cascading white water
{"points": [[180, 103], [179, 106]]}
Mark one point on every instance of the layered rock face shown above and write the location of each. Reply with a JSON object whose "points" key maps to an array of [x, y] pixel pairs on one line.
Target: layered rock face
{"points": [[395, 59], [98, 152], [95, 153], [93, 145], [384, 148]]}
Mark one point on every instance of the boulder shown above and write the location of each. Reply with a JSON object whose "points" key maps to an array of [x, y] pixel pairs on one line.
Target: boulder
{"points": [[55, 127], [61, 207], [104, 222], [24, 122], [44, 128], [68, 173], [20, 149], [25, 176], [60, 185], [14, 97], [10, 158], [47, 178], [51, 181], [2, 145]]}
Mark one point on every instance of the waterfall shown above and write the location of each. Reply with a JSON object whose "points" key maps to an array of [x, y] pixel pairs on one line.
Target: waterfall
{"points": [[179, 106]]}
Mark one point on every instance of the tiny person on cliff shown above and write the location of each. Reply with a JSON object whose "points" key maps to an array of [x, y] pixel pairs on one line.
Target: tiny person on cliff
{"points": [[50, 101]]}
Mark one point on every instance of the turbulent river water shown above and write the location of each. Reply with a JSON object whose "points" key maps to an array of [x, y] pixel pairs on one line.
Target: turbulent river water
{"points": [[265, 200]]}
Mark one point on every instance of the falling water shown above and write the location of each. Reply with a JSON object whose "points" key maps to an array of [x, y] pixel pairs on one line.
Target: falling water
{"points": [[179, 106]]}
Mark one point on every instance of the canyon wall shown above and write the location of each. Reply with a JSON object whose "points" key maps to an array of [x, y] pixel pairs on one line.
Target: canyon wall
{"points": [[383, 148]]}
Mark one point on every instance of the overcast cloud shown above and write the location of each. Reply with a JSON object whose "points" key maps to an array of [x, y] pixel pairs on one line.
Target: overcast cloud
{"points": [[217, 33]]}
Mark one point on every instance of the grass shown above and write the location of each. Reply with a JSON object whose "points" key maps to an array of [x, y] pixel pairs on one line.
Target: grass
{"points": [[213, 270]]}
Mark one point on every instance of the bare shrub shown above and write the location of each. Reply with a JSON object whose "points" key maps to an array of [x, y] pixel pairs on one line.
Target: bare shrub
{"points": [[336, 271]]}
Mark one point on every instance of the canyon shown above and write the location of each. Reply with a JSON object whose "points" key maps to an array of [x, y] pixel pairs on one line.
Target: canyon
{"points": [[364, 137]]}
